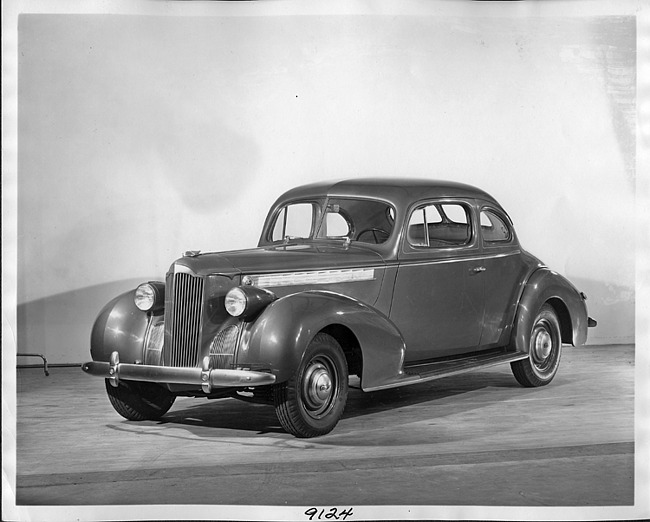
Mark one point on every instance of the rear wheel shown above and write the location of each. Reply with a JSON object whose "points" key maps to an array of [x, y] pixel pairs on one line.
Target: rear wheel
{"points": [[544, 350], [138, 401], [312, 401]]}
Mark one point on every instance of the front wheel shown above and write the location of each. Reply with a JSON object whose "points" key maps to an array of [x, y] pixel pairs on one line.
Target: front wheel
{"points": [[138, 401], [544, 350], [312, 401]]}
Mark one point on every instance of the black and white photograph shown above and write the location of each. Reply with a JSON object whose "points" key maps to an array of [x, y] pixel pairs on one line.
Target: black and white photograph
{"points": [[311, 260]]}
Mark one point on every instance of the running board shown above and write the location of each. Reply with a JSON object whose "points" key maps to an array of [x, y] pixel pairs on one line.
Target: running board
{"points": [[439, 369], [423, 372]]}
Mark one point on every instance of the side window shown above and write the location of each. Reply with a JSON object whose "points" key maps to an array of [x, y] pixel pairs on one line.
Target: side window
{"points": [[439, 225], [494, 228], [294, 221], [455, 213], [334, 225]]}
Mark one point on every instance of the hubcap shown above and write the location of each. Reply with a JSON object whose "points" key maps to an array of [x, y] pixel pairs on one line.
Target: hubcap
{"points": [[543, 344], [318, 389], [544, 347]]}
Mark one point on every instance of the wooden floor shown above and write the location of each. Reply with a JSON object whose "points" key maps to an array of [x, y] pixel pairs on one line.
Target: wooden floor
{"points": [[477, 439]]}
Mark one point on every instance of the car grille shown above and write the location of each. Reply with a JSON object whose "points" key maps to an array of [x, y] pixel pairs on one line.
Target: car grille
{"points": [[223, 346], [184, 319], [154, 344]]}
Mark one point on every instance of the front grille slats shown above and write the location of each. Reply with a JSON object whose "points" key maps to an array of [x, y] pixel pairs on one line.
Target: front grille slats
{"points": [[223, 347], [185, 320], [154, 344]]}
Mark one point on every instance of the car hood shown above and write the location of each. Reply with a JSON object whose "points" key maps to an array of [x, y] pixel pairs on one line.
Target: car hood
{"points": [[282, 258]]}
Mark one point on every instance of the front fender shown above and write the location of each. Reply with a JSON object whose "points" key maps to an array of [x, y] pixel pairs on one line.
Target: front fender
{"points": [[543, 286], [120, 326], [278, 338]]}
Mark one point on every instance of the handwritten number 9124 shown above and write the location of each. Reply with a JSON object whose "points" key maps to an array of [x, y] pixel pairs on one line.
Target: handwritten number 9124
{"points": [[331, 514]]}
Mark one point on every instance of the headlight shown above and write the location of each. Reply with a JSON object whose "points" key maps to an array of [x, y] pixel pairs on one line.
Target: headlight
{"points": [[150, 296], [247, 301], [235, 302]]}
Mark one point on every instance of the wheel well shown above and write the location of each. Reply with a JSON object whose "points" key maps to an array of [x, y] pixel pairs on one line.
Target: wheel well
{"points": [[564, 317], [350, 346]]}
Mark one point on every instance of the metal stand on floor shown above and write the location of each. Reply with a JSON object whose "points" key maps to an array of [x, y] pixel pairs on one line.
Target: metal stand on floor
{"points": [[47, 373]]}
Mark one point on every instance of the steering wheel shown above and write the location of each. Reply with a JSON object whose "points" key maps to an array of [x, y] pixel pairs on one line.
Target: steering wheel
{"points": [[378, 235]]}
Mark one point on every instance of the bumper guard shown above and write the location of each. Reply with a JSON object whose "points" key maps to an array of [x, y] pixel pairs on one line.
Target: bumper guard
{"points": [[205, 376]]}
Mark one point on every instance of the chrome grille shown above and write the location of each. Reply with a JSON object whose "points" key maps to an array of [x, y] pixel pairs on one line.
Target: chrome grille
{"points": [[153, 347], [185, 320], [223, 346]]}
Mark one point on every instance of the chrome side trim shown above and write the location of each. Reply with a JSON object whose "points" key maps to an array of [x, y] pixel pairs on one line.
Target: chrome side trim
{"points": [[350, 275]]}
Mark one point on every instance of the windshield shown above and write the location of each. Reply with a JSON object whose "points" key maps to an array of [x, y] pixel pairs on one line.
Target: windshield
{"points": [[363, 220]]}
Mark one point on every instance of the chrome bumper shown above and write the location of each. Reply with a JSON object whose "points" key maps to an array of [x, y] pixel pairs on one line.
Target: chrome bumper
{"points": [[205, 377]]}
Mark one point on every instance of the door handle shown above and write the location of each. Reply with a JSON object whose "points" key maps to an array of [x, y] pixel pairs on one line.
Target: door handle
{"points": [[479, 269]]}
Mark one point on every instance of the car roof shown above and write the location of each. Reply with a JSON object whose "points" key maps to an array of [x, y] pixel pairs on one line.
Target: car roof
{"points": [[399, 191]]}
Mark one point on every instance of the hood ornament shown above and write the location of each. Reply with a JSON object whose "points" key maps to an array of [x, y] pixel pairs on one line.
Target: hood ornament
{"points": [[191, 253]]}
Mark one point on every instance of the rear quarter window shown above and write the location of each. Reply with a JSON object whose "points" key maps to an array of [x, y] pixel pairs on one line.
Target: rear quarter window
{"points": [[494, 228]]}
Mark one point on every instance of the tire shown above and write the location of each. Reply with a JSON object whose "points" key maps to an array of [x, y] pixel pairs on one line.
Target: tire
{"points": [[544, 351], [138, 401], [312, 401]]}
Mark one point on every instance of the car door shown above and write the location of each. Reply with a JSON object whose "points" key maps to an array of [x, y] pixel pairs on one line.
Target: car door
{"points": [[504, 270], [438, 298]]}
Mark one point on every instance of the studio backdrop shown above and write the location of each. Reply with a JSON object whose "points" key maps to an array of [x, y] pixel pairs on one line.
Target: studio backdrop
{"points": [[140, 137]]}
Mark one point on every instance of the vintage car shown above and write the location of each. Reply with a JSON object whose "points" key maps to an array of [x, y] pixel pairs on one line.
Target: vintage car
{"points": [[395, 281]]}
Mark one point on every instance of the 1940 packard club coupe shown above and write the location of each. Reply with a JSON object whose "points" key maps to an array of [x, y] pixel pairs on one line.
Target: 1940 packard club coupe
{"points": [[396, 281]]}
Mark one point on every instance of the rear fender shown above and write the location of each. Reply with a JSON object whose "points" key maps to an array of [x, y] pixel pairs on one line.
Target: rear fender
{"points": [[280, 335], [122, 327], [547, 286]]}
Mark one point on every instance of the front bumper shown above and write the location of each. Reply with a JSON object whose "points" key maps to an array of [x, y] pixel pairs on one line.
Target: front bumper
{"points": [[205, 377]]}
